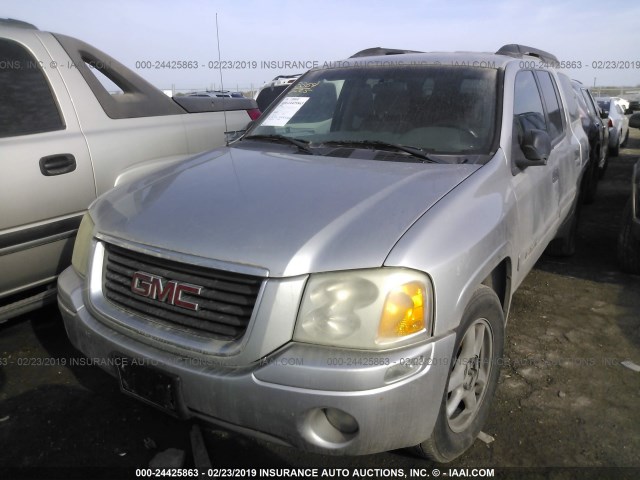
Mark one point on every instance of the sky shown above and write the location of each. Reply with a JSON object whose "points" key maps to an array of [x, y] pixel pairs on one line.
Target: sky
{"points": [[257, 38]]}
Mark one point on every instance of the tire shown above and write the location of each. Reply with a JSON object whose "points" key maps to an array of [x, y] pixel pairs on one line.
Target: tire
{"points": [[591, 180], [565, 246], [626, 138], [615, 151], [472, 379], [628, 244]]}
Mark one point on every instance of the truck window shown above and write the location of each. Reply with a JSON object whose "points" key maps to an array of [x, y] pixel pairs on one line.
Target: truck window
{"points": [[138, 98], [527, 105], [573, 102], [554, 110], [27, 104], [589, 102], [449, 110]]}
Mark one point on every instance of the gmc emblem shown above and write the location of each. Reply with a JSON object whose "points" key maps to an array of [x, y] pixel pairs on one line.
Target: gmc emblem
{"points": [[163, 290]]}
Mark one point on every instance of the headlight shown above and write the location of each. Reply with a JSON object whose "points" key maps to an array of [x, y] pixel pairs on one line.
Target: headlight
{"points": [[80, 258], [365, 309]]}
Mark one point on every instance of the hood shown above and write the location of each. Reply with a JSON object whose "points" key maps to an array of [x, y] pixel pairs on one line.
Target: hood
{"points": [[290, 214]]}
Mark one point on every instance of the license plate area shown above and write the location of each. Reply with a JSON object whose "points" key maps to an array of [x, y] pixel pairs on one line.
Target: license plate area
{"points": [[150, 385]]}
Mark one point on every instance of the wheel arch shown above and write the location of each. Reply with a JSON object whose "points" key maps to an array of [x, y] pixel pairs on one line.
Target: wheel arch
{"points": [[499, 280]]}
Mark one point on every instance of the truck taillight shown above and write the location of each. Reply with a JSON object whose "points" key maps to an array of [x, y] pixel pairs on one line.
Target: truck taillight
{"points": [[610, 124], [254, 113]]}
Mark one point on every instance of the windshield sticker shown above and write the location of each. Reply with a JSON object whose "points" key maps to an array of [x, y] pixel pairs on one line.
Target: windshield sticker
{"points": [[283, 112], [304, 87]]}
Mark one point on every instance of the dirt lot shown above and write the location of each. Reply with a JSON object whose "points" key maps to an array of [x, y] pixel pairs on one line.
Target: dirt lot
{"points": [[564, 399]]}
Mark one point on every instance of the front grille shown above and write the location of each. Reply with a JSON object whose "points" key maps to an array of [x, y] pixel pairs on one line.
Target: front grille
{"points": [[225, 302]]}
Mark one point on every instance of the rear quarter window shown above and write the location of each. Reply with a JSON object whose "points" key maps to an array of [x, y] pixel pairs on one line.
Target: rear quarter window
{"points": [[27, 103]]}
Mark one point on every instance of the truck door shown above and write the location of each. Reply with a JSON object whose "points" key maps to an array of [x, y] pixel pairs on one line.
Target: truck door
{"points": [[47, 180], [536, 187], [566, 145]]}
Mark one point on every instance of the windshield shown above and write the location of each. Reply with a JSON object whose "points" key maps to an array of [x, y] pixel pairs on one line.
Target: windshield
{"points": [[437, 109]]}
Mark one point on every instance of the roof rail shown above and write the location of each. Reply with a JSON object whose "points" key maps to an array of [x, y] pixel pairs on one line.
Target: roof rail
{"points": [[375, 51], [518, 51], [11, 22]]}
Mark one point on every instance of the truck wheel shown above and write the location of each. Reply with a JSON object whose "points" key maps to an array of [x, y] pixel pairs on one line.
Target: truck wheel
{"points": [[626, 139], [565, 246], [628, 244], [615, 151], [472, 379], [591, 180]]}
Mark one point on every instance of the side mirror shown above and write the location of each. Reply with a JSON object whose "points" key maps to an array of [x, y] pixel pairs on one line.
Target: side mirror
{"points": [[604, 115], [536, 146], [634, 120]]}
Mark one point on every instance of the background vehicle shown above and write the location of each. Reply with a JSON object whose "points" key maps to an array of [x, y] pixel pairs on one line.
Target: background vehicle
{"points": [[217, 94], [624, 103], [373, 224], [65, 139], [272, 90], [598, 133], [629, 237], [634, 106], [618, 124]]}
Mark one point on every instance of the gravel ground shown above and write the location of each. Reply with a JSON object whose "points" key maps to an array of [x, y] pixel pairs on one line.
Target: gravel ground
{"points": [[564, 399]]}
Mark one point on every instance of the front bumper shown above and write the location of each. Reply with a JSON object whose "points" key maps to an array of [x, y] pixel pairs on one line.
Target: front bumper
{"points": [[285, 397]]}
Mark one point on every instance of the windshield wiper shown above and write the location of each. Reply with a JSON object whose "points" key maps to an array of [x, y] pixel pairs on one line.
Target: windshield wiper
{"points": [[301, 144], [413, 151]]}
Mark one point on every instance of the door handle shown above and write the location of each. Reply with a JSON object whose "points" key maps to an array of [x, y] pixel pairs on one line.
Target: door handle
{"points": [[58, 164]]}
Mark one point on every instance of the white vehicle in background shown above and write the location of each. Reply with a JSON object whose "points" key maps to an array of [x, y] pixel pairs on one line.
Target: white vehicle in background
{"points": [[622, 102], [283, 80], [216, 94], [618, 123], [272, 90]]}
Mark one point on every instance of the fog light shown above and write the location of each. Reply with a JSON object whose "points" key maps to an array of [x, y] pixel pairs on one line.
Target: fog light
{"points": [[341, 421]]}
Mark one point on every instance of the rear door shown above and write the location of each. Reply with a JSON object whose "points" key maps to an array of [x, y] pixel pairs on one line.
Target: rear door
{"points": [[47, 179], [573, 144]]}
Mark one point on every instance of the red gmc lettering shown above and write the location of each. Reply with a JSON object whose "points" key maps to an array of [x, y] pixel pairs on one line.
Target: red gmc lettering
{"points": [[166, 291]]}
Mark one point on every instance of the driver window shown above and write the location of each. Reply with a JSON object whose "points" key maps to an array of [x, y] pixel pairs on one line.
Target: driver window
{"points": [[527, 111]]}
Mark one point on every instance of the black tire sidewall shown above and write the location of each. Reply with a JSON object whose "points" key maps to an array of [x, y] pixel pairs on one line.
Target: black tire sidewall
{"points": [[628, 246], [483, 304]]}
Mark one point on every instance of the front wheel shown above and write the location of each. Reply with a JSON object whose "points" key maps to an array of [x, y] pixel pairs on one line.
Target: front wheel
{"points": [[472, 379]]}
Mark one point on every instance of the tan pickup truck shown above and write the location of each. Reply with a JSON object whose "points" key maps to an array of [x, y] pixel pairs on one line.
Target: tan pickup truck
{"points": [[65, 139]]}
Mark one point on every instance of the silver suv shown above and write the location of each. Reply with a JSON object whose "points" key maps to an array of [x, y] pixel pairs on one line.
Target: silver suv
{"points": [[339, 279]]}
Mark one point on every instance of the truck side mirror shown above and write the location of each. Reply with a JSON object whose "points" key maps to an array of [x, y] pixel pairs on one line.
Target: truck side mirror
{"points": [[634, 120], [603, 115], [536, 146]]}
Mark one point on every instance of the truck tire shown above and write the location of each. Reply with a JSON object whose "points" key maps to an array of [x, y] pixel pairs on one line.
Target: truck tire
{"points": [[591, 180], [473, 377], [615, 151], [626, 139], [565, 246], [628, 244]]}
